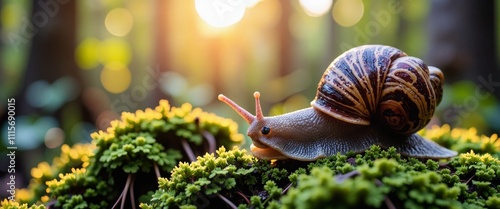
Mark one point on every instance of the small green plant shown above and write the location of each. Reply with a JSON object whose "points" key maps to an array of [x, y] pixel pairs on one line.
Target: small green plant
{"points": [[212, 180], [463, 140], [6, 204], [76, 156]]}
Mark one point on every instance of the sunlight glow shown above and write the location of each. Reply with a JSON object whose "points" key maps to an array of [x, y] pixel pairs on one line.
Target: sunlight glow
{"points": [[252, 3], [316, 8], [119, 22], [220, 13], [116, 77], [347, 12]]}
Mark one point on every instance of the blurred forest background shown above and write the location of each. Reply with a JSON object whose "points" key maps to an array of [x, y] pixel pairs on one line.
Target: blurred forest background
{"points": [[73, 66]]}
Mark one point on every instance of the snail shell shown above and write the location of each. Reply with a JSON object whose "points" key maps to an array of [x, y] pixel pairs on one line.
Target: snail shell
{"points": [[369, 95], [380, 83]]}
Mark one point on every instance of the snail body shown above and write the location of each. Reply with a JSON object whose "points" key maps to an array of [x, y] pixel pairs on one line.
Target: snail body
{"points": [[371, 94]]}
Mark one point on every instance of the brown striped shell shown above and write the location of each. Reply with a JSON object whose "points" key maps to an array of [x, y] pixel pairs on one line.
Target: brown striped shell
{"points": [[382, 85]]}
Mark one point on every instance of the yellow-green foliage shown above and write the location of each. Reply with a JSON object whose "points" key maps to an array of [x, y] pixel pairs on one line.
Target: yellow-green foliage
{"points": [[146, 143], [153, 136], [463, 140], [207, 176], [6, 204], [375, 179], [184, 121], [76, 156]]}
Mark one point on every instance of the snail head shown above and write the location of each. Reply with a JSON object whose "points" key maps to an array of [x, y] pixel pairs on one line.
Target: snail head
{"points": [[258, 128]]}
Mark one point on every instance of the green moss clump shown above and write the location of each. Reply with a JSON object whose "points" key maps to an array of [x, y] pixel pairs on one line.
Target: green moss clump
{"points": [[377, 178], [6, 204], [463, 140], [158, 142], [148, 143], [320, 189], [203, 179], [76, 156], [153, 137]]}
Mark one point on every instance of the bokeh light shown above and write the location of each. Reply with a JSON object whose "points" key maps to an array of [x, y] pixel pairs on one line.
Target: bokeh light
{"points": [[104, 119], [172, 83], [9, 14], [220, 13], [119, 22], [116, 77], [347, 12], [316, 8], [34, 130], [37, 172], [115, 50], [39, 94], [86, 53], [201, 94], [54, 138], [50, 97]]}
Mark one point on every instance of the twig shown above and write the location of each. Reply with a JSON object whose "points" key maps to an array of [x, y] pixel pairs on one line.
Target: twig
{"points": [[389, 203], [244, 197], [188, 150], [468, 180], [123, 195], [387, 200], [118, 200], [212, 145], [286, 188], [157, 170], [231, 204], [132, 196], [342, 177], [211, 141]]}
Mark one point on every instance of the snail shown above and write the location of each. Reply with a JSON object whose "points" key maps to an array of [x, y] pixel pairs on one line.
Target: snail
{"points": [[369, 95]]}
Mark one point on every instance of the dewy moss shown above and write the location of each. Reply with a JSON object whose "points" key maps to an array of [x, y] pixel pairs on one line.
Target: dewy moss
{"points": [[152, 143]]}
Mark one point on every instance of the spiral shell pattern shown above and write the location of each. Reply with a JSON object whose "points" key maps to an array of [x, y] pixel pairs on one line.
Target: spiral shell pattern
{"points": [[381, 85]]}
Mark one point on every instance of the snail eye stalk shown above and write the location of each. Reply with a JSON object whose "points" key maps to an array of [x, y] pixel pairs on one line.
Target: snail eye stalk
{"points": [[265, 130]]}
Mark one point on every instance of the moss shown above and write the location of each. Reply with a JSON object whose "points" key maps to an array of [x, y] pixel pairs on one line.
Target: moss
{"points": [[463, 140], [6, 204], [148, 143], [377, 178], [160, 142], [204, 178], [76, 156]]}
